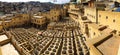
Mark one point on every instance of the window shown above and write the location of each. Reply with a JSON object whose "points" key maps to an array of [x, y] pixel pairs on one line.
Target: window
{"points": [[119, 34], [114, 20], [94, 17], [87, 14], [19, 18], [94, 33], [99, 15], [106, 17]]}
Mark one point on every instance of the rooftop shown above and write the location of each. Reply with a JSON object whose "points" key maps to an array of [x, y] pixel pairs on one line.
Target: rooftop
{"points": [[7, 20], [3, 37], [104, 2], [8, 49], [7, 16], [0, 22], [105, 33], [94, 25], [110, 46], [38, 16]]}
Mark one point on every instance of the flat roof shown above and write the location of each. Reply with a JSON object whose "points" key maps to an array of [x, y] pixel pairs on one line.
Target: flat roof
{"points": [[3, 37], [105, 33], [1, 22], [86, 21], [9, 49], [6, 15], [94, 25], [3, 16], [107, 30], [38, 16], [104, 2], [7, 20], [110, 46], [52, 24], [101, 46]]}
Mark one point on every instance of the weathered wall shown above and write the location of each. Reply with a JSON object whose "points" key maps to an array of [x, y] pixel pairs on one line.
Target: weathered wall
{"points": [[90, 13], [109, 18]]}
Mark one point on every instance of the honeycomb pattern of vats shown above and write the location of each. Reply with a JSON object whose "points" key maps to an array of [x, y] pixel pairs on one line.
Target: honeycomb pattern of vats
{"points": [[49, 33], [42, 45], [76, 32], [59, 34], [54, 48], [33, 30], [67, 25], [29, 42], [67, 47], [68, 34], [22, 38], [21, 35], [81, 46], [68, 41], [27, 48]]}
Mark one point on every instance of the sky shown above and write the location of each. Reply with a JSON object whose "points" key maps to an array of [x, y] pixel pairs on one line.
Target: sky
{"points": [[54, 1]]}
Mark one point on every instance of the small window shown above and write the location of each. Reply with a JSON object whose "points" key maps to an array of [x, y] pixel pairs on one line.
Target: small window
{"points": [[94, 33], [87, 14], [119, 32], [19, 18], [94, 17], [114, 20], [99, 15], [106, 17]]}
